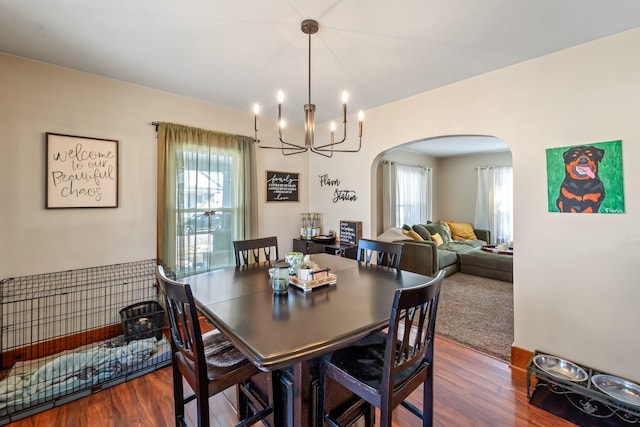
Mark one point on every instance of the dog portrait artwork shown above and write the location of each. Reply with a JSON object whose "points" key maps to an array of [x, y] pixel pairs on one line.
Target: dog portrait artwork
{"points": [[581, 190], [586, 178]]}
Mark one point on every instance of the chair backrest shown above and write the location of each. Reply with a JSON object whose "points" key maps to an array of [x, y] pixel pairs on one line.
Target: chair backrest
{"points": [[186, 336], [248, 251], [388, 254], [409, 347]]}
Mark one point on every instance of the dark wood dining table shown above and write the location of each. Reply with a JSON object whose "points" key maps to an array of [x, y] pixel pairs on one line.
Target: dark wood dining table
{"points": [[289, 332]]}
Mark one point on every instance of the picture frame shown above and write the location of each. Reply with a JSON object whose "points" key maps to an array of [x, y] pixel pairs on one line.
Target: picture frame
{"points": [[282, 186], [81, 172], [586, 178]]}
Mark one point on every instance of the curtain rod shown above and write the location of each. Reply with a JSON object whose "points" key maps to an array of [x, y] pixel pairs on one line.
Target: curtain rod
{"points": [[391, 162]]}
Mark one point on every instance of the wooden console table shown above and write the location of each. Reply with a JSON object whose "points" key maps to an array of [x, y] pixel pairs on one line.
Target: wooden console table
{"points": [[312, 247]]}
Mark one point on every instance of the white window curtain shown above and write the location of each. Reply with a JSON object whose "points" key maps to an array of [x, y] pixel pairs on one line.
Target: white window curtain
{"points": [[494, 203], [406, 194]]}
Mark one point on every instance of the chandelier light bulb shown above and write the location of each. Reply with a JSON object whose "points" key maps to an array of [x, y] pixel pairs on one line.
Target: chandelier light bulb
{"points": [[345, 97], [332, 127], [282, 123], [256, 109], [280, 97]]}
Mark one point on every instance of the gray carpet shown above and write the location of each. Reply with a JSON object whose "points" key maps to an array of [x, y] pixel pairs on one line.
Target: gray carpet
{"points": [[477, 312]]}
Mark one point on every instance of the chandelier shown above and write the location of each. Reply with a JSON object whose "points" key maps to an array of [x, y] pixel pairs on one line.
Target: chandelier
{"points": [[310, 26]]}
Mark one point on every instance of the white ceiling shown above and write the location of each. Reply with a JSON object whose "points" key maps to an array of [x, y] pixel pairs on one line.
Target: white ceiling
{"points": [[234, 53], [457, 145]]}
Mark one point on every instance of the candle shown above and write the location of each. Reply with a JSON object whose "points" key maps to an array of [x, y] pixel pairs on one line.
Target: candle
{"points": [[256, 112]]}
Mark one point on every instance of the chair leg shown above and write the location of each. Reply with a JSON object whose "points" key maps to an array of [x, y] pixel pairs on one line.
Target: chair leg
{"points": [[427, 400], [251, 406], [178, 396], [385, 414], [242, 403], [202, 402], [370, 416]]}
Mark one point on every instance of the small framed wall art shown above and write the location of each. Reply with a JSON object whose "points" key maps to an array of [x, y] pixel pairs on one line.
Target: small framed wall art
{"points": [[282, 186], [81, 172]]}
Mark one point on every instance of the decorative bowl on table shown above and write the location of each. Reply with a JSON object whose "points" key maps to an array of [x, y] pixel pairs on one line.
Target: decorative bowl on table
{"points": [[324, 239]]}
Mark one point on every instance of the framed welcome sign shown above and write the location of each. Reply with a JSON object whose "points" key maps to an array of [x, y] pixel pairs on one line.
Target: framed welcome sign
{"points": [[81, 172], [586, 178]]}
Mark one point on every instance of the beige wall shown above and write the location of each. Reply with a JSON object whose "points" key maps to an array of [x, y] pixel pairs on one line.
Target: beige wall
{"points": [[575, 291], [458, 184], [38, 98], [575, 281]]}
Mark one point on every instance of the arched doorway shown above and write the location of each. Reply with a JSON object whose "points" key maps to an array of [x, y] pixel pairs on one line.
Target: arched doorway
{"points": [[454, 161]]}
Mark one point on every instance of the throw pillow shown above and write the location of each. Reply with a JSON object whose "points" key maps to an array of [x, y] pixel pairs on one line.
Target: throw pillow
{"points": [[412, 234], [422, 231], [436, 238], [393, 234], [462, 231], [441, 229], [406, 227]]}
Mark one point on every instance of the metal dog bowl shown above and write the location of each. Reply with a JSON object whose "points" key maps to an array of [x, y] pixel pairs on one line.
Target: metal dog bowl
{"points": [[560, 368], [618, 388]]}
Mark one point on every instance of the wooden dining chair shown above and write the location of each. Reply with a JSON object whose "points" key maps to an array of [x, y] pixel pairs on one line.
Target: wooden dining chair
{"points": [[383, 369], [388, 254], [209, 363], [249, 251]]}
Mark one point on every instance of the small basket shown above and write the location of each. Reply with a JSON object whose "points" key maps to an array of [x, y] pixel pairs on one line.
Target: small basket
{"points": [[142, 320]]}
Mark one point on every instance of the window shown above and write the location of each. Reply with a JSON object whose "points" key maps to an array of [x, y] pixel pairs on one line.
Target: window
{"points": [[494, 202], [206, 187], [412, 193], [408, 198], [205, 212]]}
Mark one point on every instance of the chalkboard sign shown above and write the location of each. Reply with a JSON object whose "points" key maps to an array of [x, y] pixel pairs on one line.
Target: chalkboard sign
{"points": [[282, 186], [350, 232]]}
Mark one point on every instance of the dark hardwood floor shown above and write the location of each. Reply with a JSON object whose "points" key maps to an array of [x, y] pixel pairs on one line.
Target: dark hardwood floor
{"points": [[471, 389]]}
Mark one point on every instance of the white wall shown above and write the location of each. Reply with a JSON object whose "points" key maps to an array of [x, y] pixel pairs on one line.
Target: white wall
{"points": [[458, 184], [38, 98], [575, 284], [575, 281]]}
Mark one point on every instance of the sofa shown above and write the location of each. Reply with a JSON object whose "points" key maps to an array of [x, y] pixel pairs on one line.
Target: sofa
{"points": [[448, 246]]}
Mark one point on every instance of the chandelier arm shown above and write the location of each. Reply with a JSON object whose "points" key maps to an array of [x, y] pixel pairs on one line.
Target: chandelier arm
{"points": [[318, 149], [291, 145], [322, 152], [283, 148], [332, 144]]}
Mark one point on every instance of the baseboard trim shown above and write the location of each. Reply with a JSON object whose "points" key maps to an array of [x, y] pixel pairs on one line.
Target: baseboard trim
{"points": [[520, 357]]}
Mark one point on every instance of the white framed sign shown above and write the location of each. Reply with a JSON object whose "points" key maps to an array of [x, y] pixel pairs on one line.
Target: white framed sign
{"points": [[81, 172]]}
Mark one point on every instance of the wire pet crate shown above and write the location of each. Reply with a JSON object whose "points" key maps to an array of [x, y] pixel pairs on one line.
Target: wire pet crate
{"points": [[69, 334]]}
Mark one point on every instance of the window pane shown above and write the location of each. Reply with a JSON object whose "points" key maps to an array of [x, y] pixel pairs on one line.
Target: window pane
{"points": [[205, 213], [411, 195]]}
